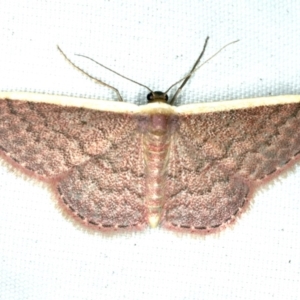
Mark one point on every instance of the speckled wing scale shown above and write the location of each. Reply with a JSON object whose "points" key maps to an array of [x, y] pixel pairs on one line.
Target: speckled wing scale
{"points": [[220, 157], [115, 165], [89, 157]]}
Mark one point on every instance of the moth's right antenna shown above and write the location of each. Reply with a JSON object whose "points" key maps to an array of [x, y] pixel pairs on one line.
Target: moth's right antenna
{"points": [[194, 69]]}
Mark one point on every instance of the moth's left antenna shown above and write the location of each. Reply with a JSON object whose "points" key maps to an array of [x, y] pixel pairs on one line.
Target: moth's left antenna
{"points": [[90, 76]]}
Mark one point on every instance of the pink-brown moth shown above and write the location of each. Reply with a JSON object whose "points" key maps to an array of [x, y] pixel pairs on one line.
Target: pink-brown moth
{"points": [[114, 165]]}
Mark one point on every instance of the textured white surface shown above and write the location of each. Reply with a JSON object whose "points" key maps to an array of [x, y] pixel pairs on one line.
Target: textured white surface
{"points": [[43, 256]]}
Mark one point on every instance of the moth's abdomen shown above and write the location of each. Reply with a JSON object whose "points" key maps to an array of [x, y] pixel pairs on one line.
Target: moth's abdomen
{"points": [[156, 150]]}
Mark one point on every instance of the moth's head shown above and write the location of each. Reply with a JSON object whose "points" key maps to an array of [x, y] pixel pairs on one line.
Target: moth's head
{"points": [[157, 97]]}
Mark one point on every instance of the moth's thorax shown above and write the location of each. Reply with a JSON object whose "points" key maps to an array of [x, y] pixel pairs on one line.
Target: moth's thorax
{"points": [[156, 140]]}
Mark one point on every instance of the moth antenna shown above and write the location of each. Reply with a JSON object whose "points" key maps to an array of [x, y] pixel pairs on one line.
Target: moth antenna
{"points": [[185, 79], [93, 78], [194, 69], [107, 68]]}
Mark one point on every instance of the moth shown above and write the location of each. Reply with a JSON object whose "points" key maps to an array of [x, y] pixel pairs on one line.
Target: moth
{"points": [[117, 166]]}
